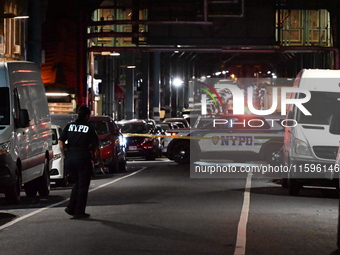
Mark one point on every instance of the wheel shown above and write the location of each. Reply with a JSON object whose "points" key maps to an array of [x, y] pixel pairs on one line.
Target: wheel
{"points": [[273, 154], [113, 166], [122, 166], [12, 194], [293, 187], [43, 182], [181, 150]]}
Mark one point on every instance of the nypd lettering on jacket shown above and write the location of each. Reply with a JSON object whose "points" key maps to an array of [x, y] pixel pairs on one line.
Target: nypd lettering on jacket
{"points": [[78, 128], [232, 140]]}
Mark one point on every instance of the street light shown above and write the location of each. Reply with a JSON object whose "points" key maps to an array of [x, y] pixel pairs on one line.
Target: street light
{"points": [[177, 82]]}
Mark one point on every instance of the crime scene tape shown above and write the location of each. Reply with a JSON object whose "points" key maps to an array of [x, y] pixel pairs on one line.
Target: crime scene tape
{"points": [[201, 137]]}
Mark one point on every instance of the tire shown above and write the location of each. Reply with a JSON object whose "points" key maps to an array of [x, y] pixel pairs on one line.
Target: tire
{"points": [[273, 154], [293, 187], [122, 166], [43, 182], [113, 166], [181, 150], [12, 194]]}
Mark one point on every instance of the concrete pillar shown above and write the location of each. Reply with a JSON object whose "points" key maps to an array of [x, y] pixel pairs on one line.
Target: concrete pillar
{"points": [[144, 83], [34, 32], [129, 87], [156, 86]]}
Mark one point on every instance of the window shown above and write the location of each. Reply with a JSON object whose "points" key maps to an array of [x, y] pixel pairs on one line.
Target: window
{"points": [[303, 28], [4, 106]]}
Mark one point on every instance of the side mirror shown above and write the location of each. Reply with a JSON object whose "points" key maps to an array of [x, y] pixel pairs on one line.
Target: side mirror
{"points": [[334, 124], [23, 118]]}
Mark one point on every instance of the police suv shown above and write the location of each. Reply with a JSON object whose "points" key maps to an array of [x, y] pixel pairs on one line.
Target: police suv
{"points": [[234, 137]]}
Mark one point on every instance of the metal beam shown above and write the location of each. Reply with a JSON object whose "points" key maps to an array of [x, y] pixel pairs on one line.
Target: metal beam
{"points": [[147, 22], [116, 34]]}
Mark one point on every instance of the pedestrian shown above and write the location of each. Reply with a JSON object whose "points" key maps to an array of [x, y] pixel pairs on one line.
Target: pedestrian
{"points": [[82, 142]]}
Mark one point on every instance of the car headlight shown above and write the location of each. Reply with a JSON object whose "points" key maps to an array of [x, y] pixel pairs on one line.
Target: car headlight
{"points": [[122, 140], [301, 148], [56, 156], [104, 143], [5, 147]]}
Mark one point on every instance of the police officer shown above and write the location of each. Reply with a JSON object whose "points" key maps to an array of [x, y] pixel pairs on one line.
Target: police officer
{"points": [[82, 141]]}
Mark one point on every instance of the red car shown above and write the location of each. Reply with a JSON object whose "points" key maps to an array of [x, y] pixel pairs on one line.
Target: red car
{"points": [[111, 143]]}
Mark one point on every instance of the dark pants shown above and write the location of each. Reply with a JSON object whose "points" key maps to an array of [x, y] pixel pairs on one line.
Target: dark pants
{"points": [[80, 171]]}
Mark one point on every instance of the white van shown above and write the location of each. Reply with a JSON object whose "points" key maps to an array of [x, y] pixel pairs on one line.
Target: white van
{"points": [[309, 148], [25, 131]]}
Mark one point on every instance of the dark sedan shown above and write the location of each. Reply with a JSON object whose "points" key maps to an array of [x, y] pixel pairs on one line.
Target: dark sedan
{"points": [[139, 138]]}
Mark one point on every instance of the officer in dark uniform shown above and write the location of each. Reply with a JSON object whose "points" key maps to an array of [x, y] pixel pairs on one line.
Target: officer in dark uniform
{"points": [[82, 142]]}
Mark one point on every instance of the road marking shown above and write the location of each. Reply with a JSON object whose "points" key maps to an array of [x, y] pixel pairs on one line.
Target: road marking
{"points": [[240, 248], [121, 178], [61, 202]]}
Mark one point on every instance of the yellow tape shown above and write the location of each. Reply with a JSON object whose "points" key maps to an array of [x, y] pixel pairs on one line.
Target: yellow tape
{"points": [[190, 137]]}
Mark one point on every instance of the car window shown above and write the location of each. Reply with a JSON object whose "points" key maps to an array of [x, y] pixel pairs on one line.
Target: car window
{"points": [[134, 128], [115, 126], [54, 137], [101, 127]]}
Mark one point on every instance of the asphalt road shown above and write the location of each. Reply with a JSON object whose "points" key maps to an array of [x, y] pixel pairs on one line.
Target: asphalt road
{"points": [[156, 208]]}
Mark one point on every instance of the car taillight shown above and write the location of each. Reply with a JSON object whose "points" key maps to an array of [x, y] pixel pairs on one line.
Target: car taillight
{"points": [[148, 139]]}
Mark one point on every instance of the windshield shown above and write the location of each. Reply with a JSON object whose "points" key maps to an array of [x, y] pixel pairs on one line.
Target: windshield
{"points": [[134, 128], [4, 106], [321, 105]]}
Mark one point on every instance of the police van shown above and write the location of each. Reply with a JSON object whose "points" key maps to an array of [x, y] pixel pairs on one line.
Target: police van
{"points": [[310, 148], [235, 137], [25, 131]]}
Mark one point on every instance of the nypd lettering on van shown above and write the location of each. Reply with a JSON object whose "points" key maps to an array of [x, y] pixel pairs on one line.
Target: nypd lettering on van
{"points": [[232, 140]]}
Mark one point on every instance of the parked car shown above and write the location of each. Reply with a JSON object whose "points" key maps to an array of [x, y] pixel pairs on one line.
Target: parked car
{"points": [[182, 120], [163, 128], [111, 143], [57, 173], [139, 139], [234, 137]]}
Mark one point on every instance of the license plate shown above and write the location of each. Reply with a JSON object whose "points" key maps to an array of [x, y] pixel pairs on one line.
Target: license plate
{"points": [[132, 148]]}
